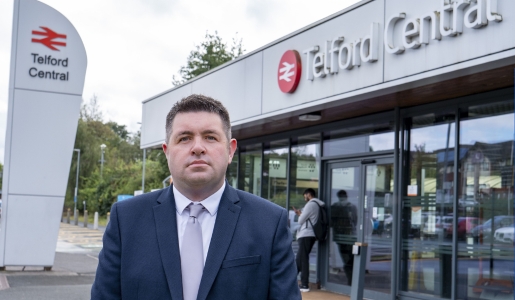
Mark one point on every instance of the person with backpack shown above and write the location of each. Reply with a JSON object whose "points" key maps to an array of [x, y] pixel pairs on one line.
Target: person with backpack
{"points": [[306, 235]]}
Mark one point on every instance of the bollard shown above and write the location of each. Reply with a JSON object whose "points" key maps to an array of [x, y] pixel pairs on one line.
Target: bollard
{"points": [[76, 217], [95, 221], [358, 273], [86, 218], [68, 216], [108, 218]]}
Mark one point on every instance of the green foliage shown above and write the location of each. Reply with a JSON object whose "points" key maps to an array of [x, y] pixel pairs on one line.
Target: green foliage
{"points": [[123, 165], [208, 55]]}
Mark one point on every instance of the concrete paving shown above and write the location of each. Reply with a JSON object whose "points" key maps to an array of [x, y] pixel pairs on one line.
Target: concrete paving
{"points": [[71, 277], [316, 294]]}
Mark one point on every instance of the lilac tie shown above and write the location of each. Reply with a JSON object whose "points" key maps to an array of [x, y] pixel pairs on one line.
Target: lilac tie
{"points": [[192, 254]]}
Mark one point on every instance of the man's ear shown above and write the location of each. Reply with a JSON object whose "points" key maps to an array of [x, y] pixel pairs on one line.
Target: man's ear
{"points": [[233, 144], [164, 146]]}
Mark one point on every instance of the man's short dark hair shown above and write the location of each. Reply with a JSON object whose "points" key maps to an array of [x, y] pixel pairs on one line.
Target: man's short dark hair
{"points": [[311, 192], [198, 103], [341, 194]]}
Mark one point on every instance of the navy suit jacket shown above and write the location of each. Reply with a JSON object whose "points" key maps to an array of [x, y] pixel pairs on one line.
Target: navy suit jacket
{"points": [[250, 255]]}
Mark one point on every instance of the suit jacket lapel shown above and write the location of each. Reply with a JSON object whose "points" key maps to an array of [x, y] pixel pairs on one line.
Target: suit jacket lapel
{"points": [[166, 226], [226, 219]]}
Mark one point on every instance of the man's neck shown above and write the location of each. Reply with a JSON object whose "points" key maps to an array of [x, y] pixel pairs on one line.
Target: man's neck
{"points": [[197, 194]]}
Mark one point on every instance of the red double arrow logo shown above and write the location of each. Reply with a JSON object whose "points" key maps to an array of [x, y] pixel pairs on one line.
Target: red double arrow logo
{"points": [[49, 39]]}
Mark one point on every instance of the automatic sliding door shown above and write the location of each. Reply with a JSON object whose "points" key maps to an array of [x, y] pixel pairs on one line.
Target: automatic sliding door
{"points": [[360, 195], [344, 194]]}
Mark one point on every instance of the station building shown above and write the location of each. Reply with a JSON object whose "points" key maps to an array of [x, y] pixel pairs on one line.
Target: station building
{"points": [[408, 106]]}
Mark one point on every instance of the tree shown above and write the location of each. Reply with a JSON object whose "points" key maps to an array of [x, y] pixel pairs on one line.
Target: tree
{"points": [[122, 162], [208, 55], [91, 111]]}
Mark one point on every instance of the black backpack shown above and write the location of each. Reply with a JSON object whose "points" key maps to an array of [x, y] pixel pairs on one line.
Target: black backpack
{"points": [[322, 225]]}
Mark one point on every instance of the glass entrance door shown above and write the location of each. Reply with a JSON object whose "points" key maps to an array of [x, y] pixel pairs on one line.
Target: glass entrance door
{"points": [[360, 194]]}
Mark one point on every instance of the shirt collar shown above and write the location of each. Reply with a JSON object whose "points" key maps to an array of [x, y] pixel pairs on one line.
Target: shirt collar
{"points": [[211, 203]]}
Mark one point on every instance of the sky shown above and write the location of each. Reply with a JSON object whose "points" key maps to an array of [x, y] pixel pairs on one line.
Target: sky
{"points": [[134, 47]]}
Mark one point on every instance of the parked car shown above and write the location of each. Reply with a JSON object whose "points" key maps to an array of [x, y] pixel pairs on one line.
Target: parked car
{"points": [[504, 235], [467, 202], [436, 226], [465, 226], [446, 224], [486, 229]]}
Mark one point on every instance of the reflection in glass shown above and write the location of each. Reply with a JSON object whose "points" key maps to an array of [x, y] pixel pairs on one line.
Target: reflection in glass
{"points": [[250, 169], [359, 139], [485, 202], [377, 225], [305, 165], [304, 173], [232, 171], [345, 191], [426, 247], [275, 168]]}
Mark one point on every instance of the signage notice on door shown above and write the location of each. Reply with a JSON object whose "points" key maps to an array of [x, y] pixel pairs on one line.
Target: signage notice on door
{"points": [[412, 190]]}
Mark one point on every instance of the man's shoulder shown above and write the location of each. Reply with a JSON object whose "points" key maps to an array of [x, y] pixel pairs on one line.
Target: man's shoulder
{"points": [[315, 202]]}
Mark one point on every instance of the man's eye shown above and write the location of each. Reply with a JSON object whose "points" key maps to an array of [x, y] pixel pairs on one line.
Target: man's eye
{"points": [[211, 138], [184, 139]]}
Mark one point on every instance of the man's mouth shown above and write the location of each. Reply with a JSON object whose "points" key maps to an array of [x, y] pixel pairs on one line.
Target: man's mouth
{"points": [[198, 162]]}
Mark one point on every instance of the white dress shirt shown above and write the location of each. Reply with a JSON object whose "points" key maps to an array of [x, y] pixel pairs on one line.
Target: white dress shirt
{"points": [[206, 219]]}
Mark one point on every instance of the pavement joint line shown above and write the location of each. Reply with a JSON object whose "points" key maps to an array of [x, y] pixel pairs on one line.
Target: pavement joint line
{"points": [[4, 284], [38, 273], [92, 256]]}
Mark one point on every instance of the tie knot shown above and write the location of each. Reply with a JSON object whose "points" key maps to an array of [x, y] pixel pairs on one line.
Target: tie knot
{"points": [[196, 210]]}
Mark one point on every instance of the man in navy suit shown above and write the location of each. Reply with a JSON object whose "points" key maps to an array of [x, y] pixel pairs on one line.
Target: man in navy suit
{"points": [[246, 245]]}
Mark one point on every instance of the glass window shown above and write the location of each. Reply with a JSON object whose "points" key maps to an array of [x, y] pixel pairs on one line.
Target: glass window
{"points": [[426, 250], [232, 171], [304, 173], [485, 202], [275, 168], [360, 139], [250, 169], [305, 166]]}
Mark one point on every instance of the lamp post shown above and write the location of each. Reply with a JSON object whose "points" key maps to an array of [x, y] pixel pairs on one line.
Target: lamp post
{"points": [[143, 170], [76, 182], [143, 175], [102, 148]]}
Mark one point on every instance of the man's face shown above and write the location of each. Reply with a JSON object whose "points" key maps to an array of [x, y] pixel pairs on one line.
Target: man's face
{"points": [[198, 151], [306, 197]]}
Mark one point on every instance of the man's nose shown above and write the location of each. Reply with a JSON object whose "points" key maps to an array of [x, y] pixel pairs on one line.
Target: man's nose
{"points": [[198, 146]]}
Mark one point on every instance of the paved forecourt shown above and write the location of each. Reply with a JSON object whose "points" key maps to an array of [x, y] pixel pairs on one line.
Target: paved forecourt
{"points": [[71, 277]]}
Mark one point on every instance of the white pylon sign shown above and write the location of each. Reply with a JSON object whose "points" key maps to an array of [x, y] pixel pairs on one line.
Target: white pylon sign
{"points": [[48, 68]]}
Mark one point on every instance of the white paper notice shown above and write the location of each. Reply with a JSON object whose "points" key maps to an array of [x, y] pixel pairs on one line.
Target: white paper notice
{"points": [[412, 190]]}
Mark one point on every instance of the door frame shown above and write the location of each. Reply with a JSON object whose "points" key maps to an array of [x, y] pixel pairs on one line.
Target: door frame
{"points": [[325, 192]]}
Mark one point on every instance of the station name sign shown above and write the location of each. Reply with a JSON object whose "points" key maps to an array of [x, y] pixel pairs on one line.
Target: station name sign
{"points": [[338, 54], [449, 21], [50, 61], [51, 40]]}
